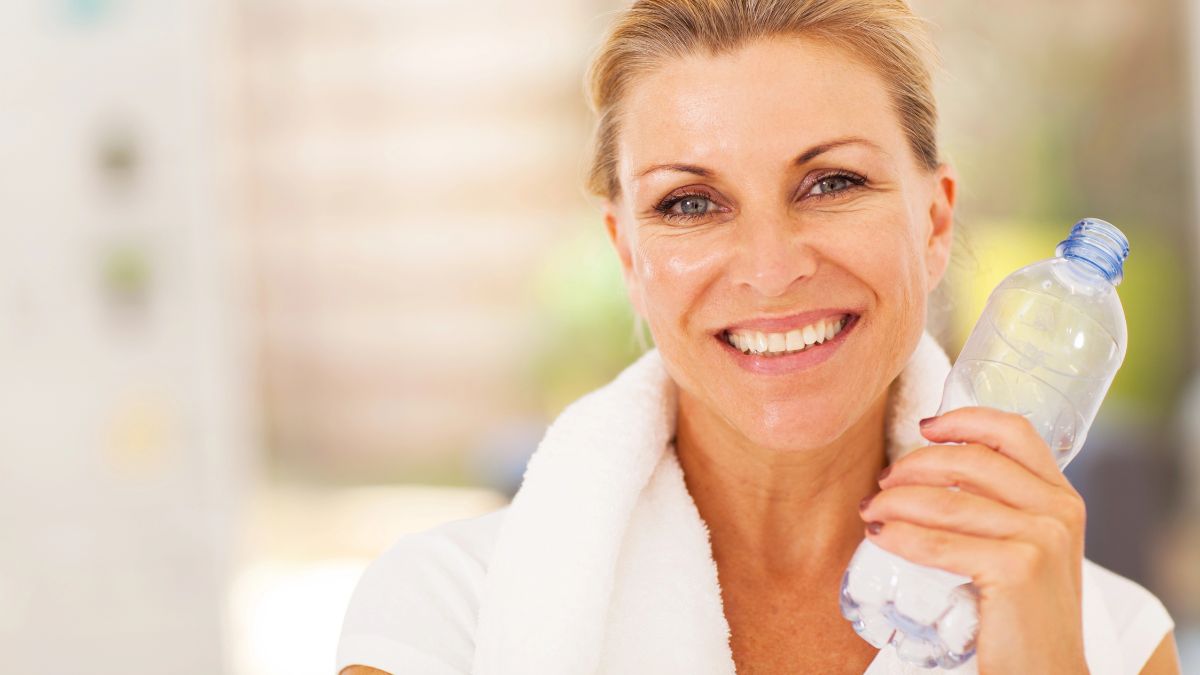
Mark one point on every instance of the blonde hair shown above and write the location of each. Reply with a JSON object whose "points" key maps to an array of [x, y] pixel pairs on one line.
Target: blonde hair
{"points": [[884, 32]]}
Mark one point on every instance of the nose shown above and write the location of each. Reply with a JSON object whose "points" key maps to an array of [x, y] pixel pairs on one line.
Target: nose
{"points": [[771, 255]]}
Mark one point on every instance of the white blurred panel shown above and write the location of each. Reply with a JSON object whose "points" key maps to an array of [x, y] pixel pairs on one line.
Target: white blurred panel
{"points": [[122, 426]]}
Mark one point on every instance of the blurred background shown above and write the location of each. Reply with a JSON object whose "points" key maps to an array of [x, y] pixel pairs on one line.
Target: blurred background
{"points": [[282, 280]]}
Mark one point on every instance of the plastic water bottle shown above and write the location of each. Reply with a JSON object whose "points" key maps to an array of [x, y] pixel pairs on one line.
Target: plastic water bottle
{"points": [[1047, 346]]}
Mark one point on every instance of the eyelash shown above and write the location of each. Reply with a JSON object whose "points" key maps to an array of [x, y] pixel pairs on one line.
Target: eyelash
{"points": [[664, 207]]}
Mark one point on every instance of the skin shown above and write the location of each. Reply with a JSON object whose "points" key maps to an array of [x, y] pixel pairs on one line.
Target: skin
{"points": [[778, 465]]}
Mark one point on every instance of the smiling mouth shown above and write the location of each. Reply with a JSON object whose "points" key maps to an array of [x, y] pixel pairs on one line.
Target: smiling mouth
{"points": [[759, 343]]}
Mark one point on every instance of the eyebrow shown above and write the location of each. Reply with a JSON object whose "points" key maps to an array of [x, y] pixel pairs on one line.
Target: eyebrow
{"points": [[801, 159]]}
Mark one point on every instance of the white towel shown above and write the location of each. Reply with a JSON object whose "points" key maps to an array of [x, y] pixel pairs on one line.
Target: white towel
{"points": [[603, 564]]}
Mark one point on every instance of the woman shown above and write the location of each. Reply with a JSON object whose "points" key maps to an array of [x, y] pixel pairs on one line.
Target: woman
{"points": [[772, 188]]}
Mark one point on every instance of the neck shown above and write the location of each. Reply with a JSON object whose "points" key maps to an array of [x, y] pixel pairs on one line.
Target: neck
{"points": [[776, 513]]}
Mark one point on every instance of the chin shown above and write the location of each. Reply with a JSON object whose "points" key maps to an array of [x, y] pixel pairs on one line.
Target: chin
{"points": [[793, 425]]}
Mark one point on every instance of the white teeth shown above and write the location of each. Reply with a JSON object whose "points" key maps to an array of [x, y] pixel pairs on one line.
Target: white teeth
{"points": [[755, 342], [810, 335], [777, 342]]}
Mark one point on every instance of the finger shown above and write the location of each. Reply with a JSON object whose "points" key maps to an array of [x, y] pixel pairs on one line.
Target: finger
{"points": [[962, 512], [989, 562], [1009, 433], [979, 470]]}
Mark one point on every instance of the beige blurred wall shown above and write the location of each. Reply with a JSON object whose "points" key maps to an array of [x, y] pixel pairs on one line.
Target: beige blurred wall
{"points": [[408, 164]]}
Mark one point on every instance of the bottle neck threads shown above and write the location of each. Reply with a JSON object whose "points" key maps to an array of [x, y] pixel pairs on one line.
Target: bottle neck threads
{"points": [[1098, 244]]}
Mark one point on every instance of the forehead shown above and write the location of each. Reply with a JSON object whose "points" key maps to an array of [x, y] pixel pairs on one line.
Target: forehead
{"points": [[761, 105]]}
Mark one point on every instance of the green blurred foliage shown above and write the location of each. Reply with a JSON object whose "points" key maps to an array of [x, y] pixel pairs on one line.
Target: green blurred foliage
{"points": [[1057, 111], [586, 322]]}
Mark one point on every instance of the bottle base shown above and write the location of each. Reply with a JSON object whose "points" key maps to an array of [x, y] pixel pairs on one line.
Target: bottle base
{"points": [[929, 619]]}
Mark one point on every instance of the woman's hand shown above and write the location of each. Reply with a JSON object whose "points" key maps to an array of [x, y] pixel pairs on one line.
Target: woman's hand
{"points": [[1015, 527]]}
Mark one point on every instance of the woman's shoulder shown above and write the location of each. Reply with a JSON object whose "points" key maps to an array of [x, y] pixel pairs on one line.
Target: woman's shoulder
{"points": [[1138, 617], [467, 540], [415, 607]]}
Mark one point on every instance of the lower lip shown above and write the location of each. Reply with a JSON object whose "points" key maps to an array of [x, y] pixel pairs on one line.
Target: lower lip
{"points": [[789, 363]]}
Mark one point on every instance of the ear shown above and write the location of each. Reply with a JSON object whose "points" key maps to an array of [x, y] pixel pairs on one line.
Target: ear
{"points": [[941, 224], [619, 236]]}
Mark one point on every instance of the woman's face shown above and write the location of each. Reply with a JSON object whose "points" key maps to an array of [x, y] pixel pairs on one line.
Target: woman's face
{"points": [[763, 191]]}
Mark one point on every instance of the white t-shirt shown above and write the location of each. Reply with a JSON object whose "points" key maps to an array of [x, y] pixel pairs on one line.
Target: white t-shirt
{"points": [[415, 608]]}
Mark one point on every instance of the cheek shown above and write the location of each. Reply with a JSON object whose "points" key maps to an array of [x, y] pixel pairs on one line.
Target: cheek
{"points": [[683, 267], [893, 264], [675, 272], [900, 278]]}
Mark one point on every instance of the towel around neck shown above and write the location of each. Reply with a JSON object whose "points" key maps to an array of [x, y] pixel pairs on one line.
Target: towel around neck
{"points": [[603, 563]]}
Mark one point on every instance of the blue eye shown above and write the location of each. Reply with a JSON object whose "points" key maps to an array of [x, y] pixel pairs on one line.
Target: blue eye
{"points": [[691, 206], [834, 183]]}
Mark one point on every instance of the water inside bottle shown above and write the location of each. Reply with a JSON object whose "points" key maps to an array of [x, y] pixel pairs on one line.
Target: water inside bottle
{"points": [[999, 385]]}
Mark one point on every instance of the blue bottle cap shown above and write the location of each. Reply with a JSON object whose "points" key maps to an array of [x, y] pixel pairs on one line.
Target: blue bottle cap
{"points": [[1099, 244]]}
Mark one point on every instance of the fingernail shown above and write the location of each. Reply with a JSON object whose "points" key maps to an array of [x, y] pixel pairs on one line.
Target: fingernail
{"points": [[874, 527], [865, 500], [927, 421], [884, 474]]}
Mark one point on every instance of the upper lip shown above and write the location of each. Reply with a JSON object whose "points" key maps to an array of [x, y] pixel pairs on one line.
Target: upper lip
{"points": [[783, 324]]}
